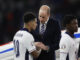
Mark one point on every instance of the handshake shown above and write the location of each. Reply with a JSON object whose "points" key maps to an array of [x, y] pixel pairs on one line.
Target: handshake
{"points": [[40, 45]]}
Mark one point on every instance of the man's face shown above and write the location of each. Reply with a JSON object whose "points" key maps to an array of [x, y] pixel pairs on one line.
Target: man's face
{"points": [[33, 24], [43, 16], [74, 25]]}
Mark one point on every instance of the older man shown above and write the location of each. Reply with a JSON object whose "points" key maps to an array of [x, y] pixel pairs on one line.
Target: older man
{"points": [[48, 32]]}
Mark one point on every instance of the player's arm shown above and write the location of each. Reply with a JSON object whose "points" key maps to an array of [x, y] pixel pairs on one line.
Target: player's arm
{"points": [[36, 53], [33, 50], [64, 49], [31, 47], [39, 46], [63, 56], [63, 53]]}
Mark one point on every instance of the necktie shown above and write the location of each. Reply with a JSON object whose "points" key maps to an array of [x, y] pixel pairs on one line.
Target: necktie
{"points": [[42, 29]]}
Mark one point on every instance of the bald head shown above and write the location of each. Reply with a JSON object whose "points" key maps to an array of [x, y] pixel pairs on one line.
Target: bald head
{"points": [[44, 13], [45, 8]]}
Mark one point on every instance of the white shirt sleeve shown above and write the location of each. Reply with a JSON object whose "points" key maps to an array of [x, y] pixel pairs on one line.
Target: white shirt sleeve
{"points": [[64, 48], [29, 43]]}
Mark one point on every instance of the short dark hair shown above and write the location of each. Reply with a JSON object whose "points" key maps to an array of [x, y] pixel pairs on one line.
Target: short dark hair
{"points": [[29, 17], [68, 19]]}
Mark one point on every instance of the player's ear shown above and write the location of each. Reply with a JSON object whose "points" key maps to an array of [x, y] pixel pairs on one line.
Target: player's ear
{"points": [[28, 23]]}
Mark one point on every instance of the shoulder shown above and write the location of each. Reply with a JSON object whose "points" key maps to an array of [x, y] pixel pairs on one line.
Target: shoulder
{"points": [[53, 20], [54, 23], [27, 37], [25, 34], [28, 34], [65, 39], [65, 43]]}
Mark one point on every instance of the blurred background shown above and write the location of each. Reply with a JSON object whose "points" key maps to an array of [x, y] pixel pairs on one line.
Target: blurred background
{"points": [[12, 11]]}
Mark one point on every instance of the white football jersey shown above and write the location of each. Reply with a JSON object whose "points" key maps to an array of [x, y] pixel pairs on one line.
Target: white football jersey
{"points": [[23, 45], [68, 46]]}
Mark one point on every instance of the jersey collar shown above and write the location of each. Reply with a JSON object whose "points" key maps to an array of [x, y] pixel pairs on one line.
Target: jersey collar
{"points": [[70, 35], [25, 29]]}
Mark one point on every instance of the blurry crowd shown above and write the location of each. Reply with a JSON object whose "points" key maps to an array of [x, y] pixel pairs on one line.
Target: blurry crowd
{"points": [[12, 11], [10, 19]]}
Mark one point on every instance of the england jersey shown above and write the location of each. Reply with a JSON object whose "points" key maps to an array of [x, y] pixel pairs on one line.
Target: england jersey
{"points": [[68, 47], [23, 45]]}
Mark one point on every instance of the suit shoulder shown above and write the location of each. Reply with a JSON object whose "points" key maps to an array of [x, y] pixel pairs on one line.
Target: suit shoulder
{"points": [[53, 20]]}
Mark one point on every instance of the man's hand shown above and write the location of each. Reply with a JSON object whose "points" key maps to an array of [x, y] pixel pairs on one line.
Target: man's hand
{"points": [[41, 46], [78, 58]]}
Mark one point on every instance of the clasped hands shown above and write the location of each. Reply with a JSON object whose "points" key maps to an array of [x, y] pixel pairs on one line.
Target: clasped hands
{"points": [[40, 45]]}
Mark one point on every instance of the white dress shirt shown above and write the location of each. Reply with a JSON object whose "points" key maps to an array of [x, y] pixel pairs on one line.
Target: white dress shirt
{"points": [[45, 25]]}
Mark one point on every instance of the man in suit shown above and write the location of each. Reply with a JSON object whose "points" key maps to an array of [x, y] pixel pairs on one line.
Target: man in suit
{"points": [[48, 32]]}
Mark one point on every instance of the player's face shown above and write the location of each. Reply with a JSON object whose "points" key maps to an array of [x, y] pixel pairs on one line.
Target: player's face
{"points": [[34, 24], [43, 16], [74, 25]]}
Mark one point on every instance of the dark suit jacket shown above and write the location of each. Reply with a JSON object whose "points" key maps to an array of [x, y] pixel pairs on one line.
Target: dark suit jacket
{"points": [[51, 38]]}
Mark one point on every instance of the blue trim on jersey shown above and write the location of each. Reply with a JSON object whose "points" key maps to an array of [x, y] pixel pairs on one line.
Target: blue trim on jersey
{"points": [[77, 35], [10, 49], [70, 35], [25, 29]]}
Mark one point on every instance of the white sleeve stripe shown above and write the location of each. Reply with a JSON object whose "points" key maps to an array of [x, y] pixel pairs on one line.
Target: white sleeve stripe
{"points": [[32, 50], [64, 52]]}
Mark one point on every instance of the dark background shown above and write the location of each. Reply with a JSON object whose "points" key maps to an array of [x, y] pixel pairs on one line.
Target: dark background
{"points": [[12, 11]]}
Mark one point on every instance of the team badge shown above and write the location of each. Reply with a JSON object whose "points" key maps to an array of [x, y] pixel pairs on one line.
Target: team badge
{"points": [[63, 46]]}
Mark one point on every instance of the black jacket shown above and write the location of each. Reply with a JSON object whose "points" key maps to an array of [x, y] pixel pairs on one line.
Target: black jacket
{"points": [[51, 38]]}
